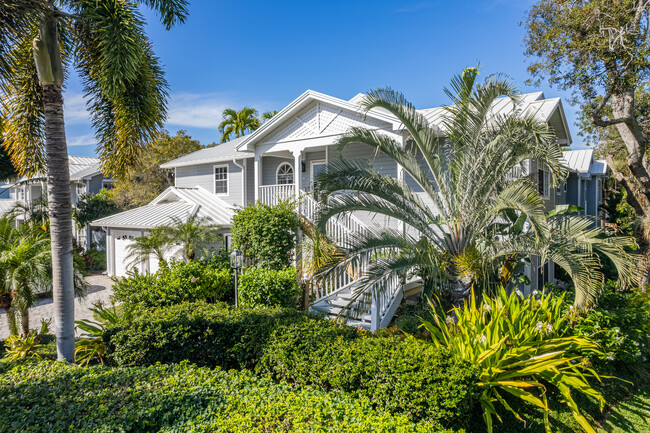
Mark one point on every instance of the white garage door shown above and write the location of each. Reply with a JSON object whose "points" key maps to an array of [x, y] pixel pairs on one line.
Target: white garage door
{"points": [[122, 241]]}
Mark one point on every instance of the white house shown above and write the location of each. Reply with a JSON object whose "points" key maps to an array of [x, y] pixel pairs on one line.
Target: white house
{"points": [[280, 160]]}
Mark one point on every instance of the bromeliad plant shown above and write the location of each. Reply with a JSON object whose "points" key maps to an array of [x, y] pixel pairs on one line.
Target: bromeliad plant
{"points": [[520, 347], [92, 345]]}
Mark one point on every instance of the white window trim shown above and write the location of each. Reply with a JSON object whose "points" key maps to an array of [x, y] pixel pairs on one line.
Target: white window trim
{"points": [[214, 180], [277, 171], [311, 169], [546, 179]]}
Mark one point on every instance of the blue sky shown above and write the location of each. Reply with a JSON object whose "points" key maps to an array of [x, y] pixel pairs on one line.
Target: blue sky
{"points": [[264, 54]]}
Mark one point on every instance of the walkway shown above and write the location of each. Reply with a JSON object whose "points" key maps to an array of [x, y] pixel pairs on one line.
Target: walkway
{"points": [[99, 291]]}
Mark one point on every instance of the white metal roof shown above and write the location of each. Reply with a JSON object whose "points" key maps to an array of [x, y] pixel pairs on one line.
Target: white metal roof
{"points": [[7, 205], [579, 160], [173, 203], [80, 167], [598, 167], [222, 152]]}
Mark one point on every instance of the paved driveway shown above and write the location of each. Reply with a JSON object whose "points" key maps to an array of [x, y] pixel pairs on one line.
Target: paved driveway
{"points": [[99, 291]]}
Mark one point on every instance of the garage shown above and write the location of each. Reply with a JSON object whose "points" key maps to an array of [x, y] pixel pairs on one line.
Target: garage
{"points": [[122, 263]]}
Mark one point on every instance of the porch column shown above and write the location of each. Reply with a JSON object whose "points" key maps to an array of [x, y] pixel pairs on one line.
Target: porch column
{"points": [[297, 171], [257, 167]]}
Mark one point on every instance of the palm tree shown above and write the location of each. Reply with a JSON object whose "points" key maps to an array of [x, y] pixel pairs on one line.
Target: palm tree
{"points": [[24, 266], [267, 115], [41, 40], [155, 244], [238, 123], [454, 229], [196, 235]]}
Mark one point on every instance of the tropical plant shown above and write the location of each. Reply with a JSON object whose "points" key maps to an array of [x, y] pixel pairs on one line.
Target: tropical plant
{"points": [[238, 123], [267, 115], [156, 244], [458, 230], [40, 42], [94, 206], [520, 346], [92, 346], [26, 346], [24, 265], [196, 235]]}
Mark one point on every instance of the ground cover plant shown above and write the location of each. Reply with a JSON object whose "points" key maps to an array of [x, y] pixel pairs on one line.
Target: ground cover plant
{"points": [[57, 397]]}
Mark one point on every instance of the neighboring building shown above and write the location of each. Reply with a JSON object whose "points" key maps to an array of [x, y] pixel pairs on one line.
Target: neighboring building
{"points": [[85, 178], [281, 159]]}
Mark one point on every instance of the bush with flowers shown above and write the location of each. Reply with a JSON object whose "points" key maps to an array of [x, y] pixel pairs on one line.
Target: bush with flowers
{"points": [[204, 279]]}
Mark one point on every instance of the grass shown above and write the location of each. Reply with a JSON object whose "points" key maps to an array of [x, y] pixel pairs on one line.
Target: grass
{"points": [[631, 415]]}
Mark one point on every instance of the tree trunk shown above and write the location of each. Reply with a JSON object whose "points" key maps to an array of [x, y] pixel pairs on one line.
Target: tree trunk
{"points": [[5, 304], [632, 135], [60, 210], [24, 320]]}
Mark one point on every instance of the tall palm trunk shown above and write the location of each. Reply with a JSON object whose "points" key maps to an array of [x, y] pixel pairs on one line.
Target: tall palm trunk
{"points": [[60, 210]]}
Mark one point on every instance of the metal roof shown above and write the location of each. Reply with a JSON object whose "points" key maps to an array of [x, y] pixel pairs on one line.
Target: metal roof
{"points": [[80, 167], [529, 104], [223, 152], [173, 203], [7, 205], [579, 160], [598, 167]]}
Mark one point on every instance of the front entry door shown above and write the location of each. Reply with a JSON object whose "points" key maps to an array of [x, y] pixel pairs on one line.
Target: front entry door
{"points": [[317, 167]]}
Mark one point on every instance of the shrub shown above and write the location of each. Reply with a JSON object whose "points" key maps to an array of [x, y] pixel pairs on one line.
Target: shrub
{"points": [[269, 287], [52, 396], [402, 375], [266, 234], [520, 347], [620, 324], [206, 334], [180, 282]]}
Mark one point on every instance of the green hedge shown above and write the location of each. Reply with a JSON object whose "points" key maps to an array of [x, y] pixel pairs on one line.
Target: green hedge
{"points": [[400, 374], [260, 287], [180, 282], [58, 397], [206, 334]]}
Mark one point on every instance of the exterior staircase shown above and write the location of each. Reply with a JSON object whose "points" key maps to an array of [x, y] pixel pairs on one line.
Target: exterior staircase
{"points": [[338, 295]]}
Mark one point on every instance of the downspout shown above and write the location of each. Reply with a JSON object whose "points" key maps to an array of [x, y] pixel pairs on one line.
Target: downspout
{"points": [[243, 189], [579, 189]]}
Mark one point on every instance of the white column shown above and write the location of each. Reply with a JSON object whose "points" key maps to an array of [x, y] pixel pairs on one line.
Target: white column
{"points": [[258, 178], [297, 171]]}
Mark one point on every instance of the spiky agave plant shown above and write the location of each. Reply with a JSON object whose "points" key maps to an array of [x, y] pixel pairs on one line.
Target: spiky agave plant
{"points": [[452, 218]]}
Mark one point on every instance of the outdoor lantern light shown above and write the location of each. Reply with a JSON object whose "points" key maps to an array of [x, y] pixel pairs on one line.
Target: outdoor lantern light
{"points": [[236, 262]]}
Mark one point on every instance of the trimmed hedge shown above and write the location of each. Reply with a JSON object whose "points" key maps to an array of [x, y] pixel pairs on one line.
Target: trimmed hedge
{"points": [[259, 287], [209, 335], [400, 374], [59, 397], [180, 282]]}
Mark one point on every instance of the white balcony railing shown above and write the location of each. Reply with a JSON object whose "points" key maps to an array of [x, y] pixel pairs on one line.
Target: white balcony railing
{"points": [[273, 194]]}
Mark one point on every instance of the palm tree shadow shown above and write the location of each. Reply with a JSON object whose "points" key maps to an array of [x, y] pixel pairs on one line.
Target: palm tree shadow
{"points": [[638, 406]]}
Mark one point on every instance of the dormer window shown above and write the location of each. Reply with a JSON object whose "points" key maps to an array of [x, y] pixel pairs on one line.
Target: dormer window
{"points": [[284, 175], [221, 179]]}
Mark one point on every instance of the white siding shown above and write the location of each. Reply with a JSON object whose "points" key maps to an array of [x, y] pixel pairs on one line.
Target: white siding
{"points": [[203, 176]]}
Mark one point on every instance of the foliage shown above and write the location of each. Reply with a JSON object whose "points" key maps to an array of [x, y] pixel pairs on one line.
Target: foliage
{"points": [[7, 169], [401, 375], [599, 49], [205, 334], [92, 260], [25, 346], [266, 234], [146, 180], [181, 398], [477, 216], [155, 244], [94, 206], [238, 123], [520, 347], [269, 287], [620, 325], [409, 318], [92, 345], [197, 235], [180, 282]]}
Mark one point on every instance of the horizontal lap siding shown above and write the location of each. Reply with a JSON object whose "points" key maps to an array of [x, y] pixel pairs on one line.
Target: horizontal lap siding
{"points": [[203, 176], [250, 180], [270, 166], [95, 184], [308, 158]]}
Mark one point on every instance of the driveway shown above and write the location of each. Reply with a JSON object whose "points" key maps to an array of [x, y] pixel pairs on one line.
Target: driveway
{"points": [[99, 291]]}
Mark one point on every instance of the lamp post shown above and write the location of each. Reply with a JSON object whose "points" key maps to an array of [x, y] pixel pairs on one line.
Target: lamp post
{"points": [[236, 262]]}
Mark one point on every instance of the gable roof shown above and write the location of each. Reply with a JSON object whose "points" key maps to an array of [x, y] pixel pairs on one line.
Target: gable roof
{"points": [[80, 168], [249, 142], [223, 152], [173, 203]]}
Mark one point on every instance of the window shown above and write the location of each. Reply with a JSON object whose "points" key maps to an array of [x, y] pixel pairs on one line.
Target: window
{"points": [[543, 275], [81, 189], [284, 175], [543, 180], [566, 187], [107, 186], [221, 179]]}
